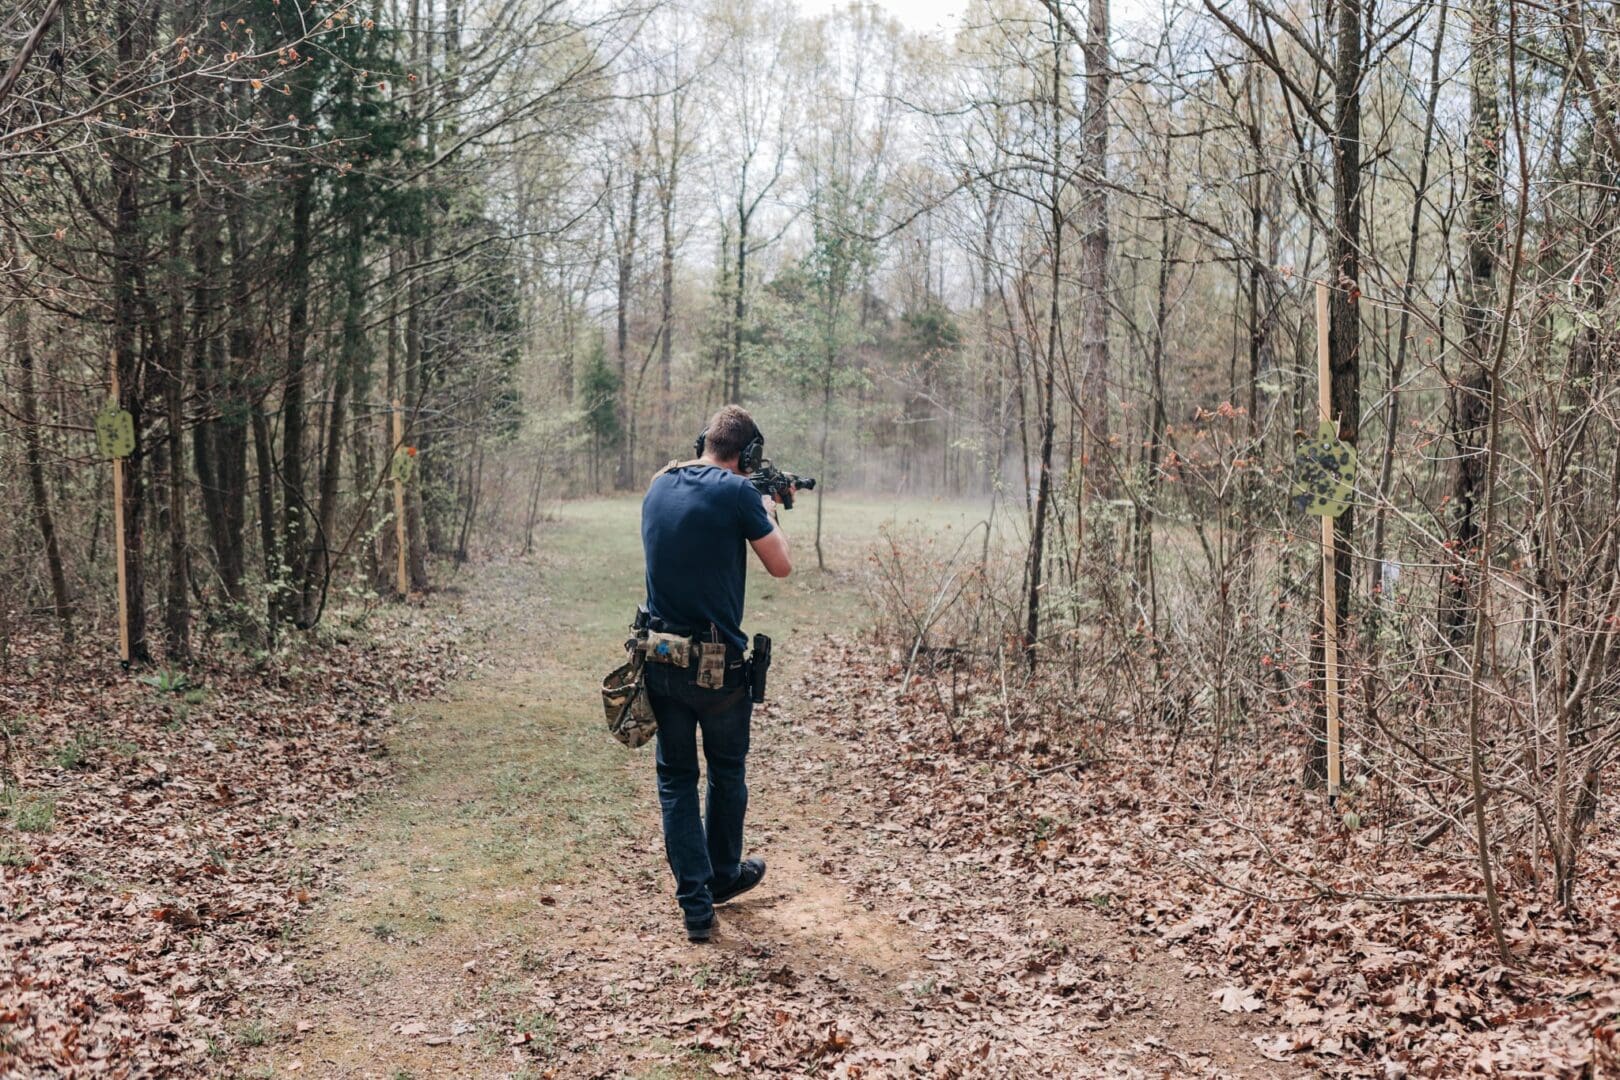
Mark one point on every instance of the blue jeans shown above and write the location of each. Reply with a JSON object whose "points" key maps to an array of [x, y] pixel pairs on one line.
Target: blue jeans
{"points": [[702, 853]]}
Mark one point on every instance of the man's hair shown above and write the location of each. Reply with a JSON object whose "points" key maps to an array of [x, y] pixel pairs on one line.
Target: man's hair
{"points": [[730, 430]]}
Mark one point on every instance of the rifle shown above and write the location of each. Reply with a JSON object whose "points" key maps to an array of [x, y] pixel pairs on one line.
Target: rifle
{"points": [[769, 480]]}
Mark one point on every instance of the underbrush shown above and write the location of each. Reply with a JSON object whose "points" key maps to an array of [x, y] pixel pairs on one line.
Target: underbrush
{"points": [[153, 829], [1164, 778], [1371, 957]]}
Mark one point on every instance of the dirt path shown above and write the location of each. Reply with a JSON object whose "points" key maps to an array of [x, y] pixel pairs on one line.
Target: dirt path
{"points": [[507, 912]]}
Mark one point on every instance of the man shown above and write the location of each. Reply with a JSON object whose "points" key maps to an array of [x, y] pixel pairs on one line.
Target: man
{"points": [[695, 520]]}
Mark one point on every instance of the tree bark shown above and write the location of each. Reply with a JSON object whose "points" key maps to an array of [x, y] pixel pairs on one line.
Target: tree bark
{"points": [[739, 305], [219, 440], [318, 566], [128, 358], [293, 517], [1471, 397], [626, 256], [22, 342], [177, 597], [1157, 419], [264, 462], [415, 523], [1094, 243], [1043, 493]]}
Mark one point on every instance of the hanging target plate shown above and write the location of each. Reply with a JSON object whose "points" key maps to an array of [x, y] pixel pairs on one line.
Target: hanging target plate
{"points": [[1324, 473], [115, 432]]}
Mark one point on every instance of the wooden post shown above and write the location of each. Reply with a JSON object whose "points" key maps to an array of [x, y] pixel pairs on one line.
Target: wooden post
{"points": [[402, 580], [1330, 585], [118, 536]]}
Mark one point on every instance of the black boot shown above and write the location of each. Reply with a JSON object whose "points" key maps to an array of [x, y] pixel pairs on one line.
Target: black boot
{"points": [[749, 874]]}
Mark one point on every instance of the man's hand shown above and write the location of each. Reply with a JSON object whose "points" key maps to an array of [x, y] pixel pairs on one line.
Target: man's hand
{"points": [[780, 497]]}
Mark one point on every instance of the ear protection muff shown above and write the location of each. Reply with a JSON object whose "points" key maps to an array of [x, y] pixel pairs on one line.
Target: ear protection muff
{"points": [[750, 457]]}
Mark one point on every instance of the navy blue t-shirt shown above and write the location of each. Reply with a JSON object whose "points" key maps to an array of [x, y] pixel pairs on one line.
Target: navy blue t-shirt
{"points": [[695, 525]]}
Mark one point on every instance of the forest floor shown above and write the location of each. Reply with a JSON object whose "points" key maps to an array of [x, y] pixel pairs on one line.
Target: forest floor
{"points": [[506, 910]]}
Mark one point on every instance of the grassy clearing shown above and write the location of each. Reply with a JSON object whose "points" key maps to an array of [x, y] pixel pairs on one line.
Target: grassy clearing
{"points": [[513, 790]]}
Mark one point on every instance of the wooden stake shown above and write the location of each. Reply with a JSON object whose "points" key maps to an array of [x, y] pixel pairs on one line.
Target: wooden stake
{"points": [[402, 578], [118, 536], [1330, 585]]}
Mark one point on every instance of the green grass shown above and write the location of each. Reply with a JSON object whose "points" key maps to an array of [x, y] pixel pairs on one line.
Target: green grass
{"points": [[806, 602], [253, 1033], [511, 781], [594, 574], [169, 682], [71, 755], [542, 1029], [35, 813]]}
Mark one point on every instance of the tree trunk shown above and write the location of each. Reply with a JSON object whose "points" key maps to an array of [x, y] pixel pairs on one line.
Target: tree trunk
{"points": [[1397, 369], [1094, 241], [666, 302], [219, 439], [1344, 330], [826, 431], [626, 268], [128, 358], [22, 342], [1043, 493], [534, 504], [1157, 419], [1470, 399], [264, 463], [293, 420], [475, 482], [177, 598], [415, 526], [739, 307], [317, 569], [387, 558]]}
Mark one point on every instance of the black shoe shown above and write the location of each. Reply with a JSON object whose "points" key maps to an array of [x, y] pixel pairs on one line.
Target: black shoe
{"points": [[700, 931], [749, 874]]}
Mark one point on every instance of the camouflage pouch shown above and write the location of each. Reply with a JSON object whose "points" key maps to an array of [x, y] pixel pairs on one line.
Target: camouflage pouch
{"points": [[630, 717], [711, 665], [667, 648]]}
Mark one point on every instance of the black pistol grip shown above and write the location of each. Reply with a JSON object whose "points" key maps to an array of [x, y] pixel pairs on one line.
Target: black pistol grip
{"points": [[758, 667]]}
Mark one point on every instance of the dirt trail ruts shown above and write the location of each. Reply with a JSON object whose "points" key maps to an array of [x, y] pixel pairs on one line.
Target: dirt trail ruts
{"points": [[507, 912]]}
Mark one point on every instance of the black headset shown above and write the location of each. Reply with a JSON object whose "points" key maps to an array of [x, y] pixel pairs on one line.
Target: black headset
{"points": [[749, 458]]}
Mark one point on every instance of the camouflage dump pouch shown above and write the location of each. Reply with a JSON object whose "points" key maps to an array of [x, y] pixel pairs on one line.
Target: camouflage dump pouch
{"points": [[630, 716]]}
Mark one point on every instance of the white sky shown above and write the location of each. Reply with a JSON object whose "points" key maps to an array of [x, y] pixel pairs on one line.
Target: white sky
{"points": [[915, 14], [946, 14]]}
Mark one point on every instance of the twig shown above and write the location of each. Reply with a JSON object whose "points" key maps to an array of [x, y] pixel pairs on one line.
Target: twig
{"points": [[30, 46], [1036, 774], [1476, 694], [1322, 890]]}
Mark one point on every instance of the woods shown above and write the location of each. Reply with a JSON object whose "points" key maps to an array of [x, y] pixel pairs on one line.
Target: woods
{"points": [[1058, 258]]}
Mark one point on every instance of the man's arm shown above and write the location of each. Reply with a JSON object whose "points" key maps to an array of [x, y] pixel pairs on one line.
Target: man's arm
{"points": [[772, 548]]}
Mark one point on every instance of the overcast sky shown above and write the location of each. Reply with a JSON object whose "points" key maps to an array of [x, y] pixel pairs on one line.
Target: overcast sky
{"points": [[916, 14], [945, 14]]}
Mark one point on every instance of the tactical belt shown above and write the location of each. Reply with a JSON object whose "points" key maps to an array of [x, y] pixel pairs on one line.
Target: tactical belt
{"points": [[714, 665]]}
